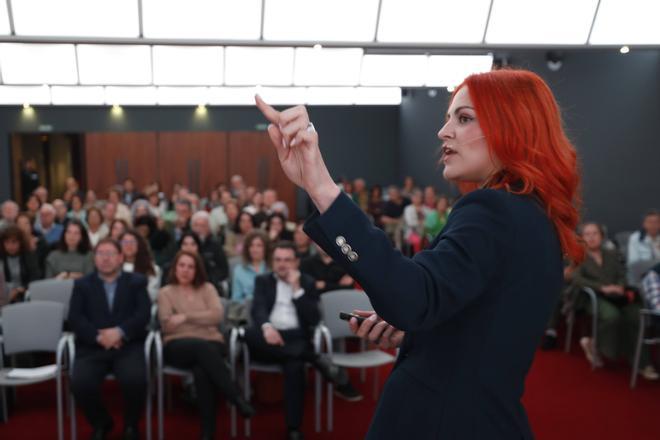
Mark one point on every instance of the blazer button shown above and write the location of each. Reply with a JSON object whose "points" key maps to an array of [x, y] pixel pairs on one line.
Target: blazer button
{"points": [[340, 240], [345, 249], [352, 256]]}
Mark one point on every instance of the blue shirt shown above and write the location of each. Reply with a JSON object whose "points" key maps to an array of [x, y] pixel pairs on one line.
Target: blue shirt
{"points": [[53, 234], [110, 289], [242, 281]]}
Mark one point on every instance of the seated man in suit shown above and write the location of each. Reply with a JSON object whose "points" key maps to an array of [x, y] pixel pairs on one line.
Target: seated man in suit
{"points": [[109, 313], [285, 310]]}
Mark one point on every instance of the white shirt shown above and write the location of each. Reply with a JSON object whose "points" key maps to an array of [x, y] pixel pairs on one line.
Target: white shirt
{"points": [[284, 315], [643, 250]]}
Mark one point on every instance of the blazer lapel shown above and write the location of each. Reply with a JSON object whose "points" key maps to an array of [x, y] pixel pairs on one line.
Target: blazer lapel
{"points": [[119, 297], [99, 290]]}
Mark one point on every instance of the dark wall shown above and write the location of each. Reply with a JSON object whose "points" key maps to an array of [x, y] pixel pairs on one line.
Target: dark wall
{"points": [[351, 137], [611, 109]]}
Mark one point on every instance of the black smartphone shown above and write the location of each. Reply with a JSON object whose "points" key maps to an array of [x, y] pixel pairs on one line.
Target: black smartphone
{"points": [[347, 317]]}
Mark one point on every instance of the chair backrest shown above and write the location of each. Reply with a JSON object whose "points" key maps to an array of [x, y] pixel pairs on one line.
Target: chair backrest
{"points": [[32, 326], [337, 301], [52, 290], [637, 270]]}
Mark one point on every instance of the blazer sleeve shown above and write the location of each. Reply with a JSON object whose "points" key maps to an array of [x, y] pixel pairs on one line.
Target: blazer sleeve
{"points": [[260, 310], [420, 293], [82, 327], [134, 326]]}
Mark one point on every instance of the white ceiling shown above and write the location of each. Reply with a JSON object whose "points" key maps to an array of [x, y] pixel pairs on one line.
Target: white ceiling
{"points": [[144, 52]]}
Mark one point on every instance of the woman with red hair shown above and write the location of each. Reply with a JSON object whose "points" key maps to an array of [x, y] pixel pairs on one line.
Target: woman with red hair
{"points": [[469, 311]]}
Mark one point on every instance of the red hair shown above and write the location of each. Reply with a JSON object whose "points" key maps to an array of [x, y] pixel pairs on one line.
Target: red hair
{"points": [[522, 125]]}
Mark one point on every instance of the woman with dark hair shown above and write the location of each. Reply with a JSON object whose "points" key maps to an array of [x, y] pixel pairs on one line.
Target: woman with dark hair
{"points": [[234, 238], [96, 229], [276, 228], [159, 239], [468, 311], [190, 311], [376, 205], [117, 227], [137, 258], [73, 257], [77, 208], [254, 258], [32, 205], [36, 241], [18, 263]]}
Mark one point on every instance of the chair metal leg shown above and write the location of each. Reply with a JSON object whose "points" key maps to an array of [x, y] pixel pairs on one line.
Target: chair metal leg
{"points": [[246, 379], [60, 415], [148, 403], [72, 416], [330, 408], [638, 350], [570, 322]]}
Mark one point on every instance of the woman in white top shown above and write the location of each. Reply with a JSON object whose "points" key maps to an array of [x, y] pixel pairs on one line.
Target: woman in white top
{"points": [[137, 258], [96, 229], [413, 221]]}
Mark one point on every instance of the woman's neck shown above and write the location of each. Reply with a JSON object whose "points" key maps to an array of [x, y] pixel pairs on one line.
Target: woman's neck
{"points": [[129, 258]]}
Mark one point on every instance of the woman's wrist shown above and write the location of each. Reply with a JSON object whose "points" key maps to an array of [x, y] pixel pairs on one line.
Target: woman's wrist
{"points": [[323, 196]]}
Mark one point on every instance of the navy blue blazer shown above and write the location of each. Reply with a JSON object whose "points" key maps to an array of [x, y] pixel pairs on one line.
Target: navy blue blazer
{"points": [[89, 310], [474, 306], [265, 293]]}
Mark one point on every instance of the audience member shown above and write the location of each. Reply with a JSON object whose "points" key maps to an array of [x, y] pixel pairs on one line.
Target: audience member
{"points": [[108, 314], [29, 177], [272, 204], [77, 210], [61, 211], [234, 238], [190, 311], [96, 229], [36, 241], [32, 206], [211, 251], [91, 200], [18, 263], [51, 230], [327, 274], [159, 239], [360, 194], [651, 288], [618, 313], [121, 210], [436, 219], [42, 193], [73, 258], [254, 257], [284, 312], [408, 187], [130, 194], [644, 245], [137, 258], [414, 216], [304, 247], [9, 212], [376, 205], [117, 227], [276, 228]]}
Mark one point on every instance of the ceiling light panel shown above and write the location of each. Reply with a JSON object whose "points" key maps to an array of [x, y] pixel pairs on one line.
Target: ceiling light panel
{"points": [[451, 70], [76, 18], [266, 66], [320, 20], [188, 65], [394, 70], [4, 19], [114, 65], [77, 95], [330, 95], [34, 95], [332, 67], [377, 95], [202, 19], [232, 95], [540, 22], [433, 21], [182, 95], [38, 63], [283, 95], [627, 22], [117, 95]]}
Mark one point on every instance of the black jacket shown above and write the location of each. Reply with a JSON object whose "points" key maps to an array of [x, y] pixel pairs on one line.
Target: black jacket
{"points": [[265, 292], [474, 306], [89, 310]]}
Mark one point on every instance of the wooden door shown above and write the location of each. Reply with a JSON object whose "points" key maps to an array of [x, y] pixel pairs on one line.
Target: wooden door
{"points": [[112, 157], [251, 155], [197, 160]]}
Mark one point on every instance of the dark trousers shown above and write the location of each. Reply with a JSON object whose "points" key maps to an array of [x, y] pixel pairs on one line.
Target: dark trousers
{"points": [[206, 360], [292, 357], [127, 365]]}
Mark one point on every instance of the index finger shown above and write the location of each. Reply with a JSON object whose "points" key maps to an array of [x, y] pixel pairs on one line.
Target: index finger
{"points": [[365, 313], [268, 111]]}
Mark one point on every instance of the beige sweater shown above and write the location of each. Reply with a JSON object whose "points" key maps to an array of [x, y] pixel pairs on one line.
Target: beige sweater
{"points": [[202, 308]]}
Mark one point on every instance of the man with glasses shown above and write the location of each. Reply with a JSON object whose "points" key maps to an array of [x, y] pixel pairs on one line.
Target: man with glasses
{"points": [[109, 313], [285, 310]]}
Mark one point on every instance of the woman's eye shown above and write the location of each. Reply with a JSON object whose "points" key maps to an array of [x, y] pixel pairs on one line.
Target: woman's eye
{"points": [[463, 119]]}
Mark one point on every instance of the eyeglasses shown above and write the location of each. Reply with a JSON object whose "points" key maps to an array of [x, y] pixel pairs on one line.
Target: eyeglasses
{"points": [[283, 260], [107, 253]]}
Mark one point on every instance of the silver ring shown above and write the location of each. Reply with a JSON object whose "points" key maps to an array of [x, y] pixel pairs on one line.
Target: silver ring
{"points": [[310, 127]]}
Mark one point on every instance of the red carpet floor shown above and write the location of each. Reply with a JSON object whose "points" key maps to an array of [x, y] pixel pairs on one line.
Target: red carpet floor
{"points": [[564, 399]]}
